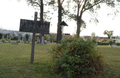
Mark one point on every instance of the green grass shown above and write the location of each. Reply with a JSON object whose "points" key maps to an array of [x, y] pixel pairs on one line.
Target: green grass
{"points": [[15, 61], [112, 61]]}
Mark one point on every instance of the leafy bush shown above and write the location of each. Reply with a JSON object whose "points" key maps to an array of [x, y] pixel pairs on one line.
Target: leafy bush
{"points": [[27, 36], [17, 41], [3, 40], [75, 57], [14, 38]]}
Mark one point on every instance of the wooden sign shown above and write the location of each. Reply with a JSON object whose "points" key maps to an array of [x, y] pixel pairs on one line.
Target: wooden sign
{"points": [[36, 27]]}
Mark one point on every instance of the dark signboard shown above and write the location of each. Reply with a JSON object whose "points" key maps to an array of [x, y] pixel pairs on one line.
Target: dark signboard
{"points": [[31, 26]]}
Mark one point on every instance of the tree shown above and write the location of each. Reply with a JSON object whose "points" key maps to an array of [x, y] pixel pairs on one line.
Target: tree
{"points": [[60, 14], [84, 5], [108, 33], [93, 34]]}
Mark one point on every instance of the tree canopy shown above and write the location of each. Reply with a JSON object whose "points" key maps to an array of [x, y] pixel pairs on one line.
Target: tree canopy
{"points": [[108, 33]]}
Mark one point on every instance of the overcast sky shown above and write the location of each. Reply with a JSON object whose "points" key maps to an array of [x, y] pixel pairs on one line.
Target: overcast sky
{"points": [[12, 11]]}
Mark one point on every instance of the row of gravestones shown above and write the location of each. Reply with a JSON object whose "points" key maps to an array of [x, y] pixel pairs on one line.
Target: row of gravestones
{"points": [[25, 41], [38, 40]]}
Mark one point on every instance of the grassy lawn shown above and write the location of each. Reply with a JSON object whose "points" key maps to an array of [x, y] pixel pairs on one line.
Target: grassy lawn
{"points": [[15, 61]]}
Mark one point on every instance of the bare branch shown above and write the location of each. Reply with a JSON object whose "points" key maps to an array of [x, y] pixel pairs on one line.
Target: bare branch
{"points": [[93, 5], [62, 2], [33, 2]]}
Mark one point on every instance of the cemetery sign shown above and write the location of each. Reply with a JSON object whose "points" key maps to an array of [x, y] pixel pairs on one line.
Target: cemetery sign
{"points": [[34, 26], [31, 26]]}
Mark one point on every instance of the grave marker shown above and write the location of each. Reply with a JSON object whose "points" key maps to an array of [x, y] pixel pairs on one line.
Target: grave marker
{"points": [[114, 46], [9, 39], [14, 43], [0, 42]]}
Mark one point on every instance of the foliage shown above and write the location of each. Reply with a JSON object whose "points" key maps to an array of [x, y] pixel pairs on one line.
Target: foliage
{"points": [[3, 40], [75, 57], [18, 41], [14, 38], [15, 62], [108, 33], [45, 37], [27, 36]]}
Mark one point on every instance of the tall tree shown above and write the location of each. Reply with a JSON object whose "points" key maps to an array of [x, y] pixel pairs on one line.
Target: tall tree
{"points": [[108, 33], [60, 13], [84, 5], [59, 33]]}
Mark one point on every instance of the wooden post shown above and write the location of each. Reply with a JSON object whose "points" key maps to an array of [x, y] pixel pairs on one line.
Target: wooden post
{"points": [[33, 41]]}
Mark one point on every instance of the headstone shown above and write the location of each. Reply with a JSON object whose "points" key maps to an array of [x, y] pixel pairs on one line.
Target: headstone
{"points": [[24, 39], [38, 40], [6, 42], [29, 39], [0, 42], [9, 39], [42, 41], [14, 43], [114, 46], [48, 41], [18, 37], [2, 36]]}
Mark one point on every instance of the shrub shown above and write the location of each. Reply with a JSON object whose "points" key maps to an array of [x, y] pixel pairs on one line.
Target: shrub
{"points": [[17, 41], [74, 57], [27, 36], [14, 38], [3, 40]]}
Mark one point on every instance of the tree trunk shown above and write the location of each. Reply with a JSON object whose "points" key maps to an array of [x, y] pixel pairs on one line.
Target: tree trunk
{"points": [[59, 21], [41, 19], [79, 17]]}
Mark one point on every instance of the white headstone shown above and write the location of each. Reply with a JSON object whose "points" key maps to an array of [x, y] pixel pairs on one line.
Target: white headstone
{"points": [[9, 39], [38, 40], [0, 42], [2, 36], [42, 41], [29, 39], [24, 39]]}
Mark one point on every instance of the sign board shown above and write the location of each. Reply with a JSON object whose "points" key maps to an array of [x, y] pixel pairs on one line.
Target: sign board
{"points": [[31, 26]]}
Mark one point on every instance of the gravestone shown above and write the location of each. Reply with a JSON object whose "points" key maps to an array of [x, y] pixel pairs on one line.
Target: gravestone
{"points": [[29, 39], [9, 39], [24, 39], [114, 46], [6, 42], [2, 36], [42, 40], [14, 43], [0, 42], [18, 37], [48, 41], [38, 40], [7, 36]]}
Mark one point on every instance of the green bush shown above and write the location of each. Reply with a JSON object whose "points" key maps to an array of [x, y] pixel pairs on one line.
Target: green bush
{"points": [[3, 40], [17, 41], [27, 36], [75, 57]]}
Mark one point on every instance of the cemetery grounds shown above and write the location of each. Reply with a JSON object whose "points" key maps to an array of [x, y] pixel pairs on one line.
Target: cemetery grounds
{"points": [[15, 61]]}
